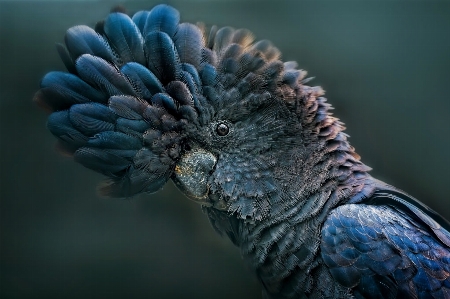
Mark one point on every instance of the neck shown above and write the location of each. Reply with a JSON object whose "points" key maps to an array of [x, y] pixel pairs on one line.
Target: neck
{"points": [[288, 244], [284, 249]]}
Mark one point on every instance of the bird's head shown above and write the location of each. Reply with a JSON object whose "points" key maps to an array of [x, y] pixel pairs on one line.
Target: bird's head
{"points": [[148, 99]]}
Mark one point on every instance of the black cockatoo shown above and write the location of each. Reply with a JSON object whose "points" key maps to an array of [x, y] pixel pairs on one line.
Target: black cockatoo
{"points": [[147, 99]]}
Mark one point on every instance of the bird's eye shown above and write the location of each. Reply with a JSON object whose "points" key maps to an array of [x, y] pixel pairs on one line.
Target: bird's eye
{"points": [[222, 129]]}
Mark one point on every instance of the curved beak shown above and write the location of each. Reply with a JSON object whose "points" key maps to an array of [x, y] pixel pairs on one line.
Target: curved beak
{"points": [[192, 173]]}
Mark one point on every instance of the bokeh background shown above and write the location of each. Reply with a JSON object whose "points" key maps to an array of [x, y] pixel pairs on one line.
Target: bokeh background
{"points": [[385, 66]]}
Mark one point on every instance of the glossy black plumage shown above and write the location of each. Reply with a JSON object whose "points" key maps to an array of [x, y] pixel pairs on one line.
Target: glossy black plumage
{"points": [[378, 249], [142, 104]]}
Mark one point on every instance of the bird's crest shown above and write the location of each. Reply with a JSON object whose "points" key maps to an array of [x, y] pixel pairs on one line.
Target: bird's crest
{"points": [[136, 84]]}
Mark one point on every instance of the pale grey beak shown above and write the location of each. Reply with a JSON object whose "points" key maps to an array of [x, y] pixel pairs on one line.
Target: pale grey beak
{"points": [[192, 173]]}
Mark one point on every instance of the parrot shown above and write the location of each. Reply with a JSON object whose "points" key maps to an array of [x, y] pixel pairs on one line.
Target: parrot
{"points": [[147, 99]]}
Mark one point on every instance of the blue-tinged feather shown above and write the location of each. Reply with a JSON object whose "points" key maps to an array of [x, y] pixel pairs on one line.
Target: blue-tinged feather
{"points": [[265, 47], [209, 57], [150, 162], [188, 80], [146, 174], [84, 40], [132, 127], [108, 152], [114, 140], [243, 37], [143, 79], [292, 77], [163, 100], [125, 37], [127, 107], [208, 75], [162, 56], [143, 181], [180, 93], [233, 51], [188, 112], [102, 75], [223, 39], [60, 125], [162, 18], [101, 160], [92, 118], [195, 76], [189, 43], [211, 37], [153, 115], [60, 90], [140, 18], [249, 63]]}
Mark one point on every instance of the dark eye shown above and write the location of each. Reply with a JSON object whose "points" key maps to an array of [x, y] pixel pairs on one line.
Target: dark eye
{"points": [[222, 129]]}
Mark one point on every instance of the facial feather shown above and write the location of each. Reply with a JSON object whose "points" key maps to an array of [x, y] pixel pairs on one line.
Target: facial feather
{"points": [[170, 86], [148, 99]]}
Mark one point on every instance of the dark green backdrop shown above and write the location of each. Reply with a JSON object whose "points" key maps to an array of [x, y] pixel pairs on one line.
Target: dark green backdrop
{"points": [[385, 66]]}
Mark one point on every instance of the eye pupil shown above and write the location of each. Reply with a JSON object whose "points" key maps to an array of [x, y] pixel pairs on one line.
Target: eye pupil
{"points": [[222, 129]]}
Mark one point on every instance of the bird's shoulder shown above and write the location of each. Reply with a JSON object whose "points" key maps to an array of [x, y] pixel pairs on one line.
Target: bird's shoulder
{"points": [[388, 245]]}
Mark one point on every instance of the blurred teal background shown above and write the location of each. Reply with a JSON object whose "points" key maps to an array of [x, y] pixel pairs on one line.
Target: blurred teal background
{"points": [[385, 66]]}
